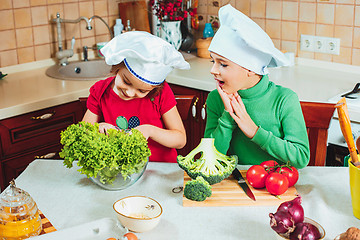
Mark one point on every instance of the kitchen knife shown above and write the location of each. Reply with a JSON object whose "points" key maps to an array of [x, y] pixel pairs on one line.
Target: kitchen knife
{"points": [[237, 175]]}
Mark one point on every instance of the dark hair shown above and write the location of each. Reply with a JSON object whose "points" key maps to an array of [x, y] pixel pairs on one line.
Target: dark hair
{"points": [[153, 93]]}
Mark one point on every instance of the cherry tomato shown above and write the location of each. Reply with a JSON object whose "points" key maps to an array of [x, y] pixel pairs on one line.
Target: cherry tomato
{"points": [[130, 236], [291, 174], [256, 176], [276, 183], [269, 164]]}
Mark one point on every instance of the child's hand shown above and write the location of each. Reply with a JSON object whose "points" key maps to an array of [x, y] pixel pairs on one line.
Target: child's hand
{"points": [[241, 117], [103, 127], [226, 98], [145, 130]]}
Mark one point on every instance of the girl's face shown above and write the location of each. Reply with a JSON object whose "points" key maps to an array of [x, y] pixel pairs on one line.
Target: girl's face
{"points": [[128, 87], [230, 76]]}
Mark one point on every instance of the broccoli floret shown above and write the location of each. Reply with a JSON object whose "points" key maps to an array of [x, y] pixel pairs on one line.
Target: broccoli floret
{"points": [[197, 190], [212, 165]]}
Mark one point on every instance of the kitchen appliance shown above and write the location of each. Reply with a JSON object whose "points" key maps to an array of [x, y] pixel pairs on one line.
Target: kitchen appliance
{"points": [[242, 183], [337, 146]]}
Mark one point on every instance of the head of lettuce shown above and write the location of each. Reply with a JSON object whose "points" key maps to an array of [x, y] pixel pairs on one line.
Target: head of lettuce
{"points": [[104, 155]]}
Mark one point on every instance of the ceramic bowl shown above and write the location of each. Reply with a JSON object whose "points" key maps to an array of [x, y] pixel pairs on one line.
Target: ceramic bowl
{"points": [[120, 183], [308, 220], [138, 213]]}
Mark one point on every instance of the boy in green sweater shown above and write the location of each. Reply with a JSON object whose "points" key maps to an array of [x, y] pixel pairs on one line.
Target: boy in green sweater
{"points": [[247, 114]]}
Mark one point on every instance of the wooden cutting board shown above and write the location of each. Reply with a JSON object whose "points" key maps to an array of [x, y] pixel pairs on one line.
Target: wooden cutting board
{"points": [[229, 193], [137, 13]]}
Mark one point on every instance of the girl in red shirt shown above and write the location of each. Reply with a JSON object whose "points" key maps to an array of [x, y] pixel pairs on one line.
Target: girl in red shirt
{"points": [[137, 95]]}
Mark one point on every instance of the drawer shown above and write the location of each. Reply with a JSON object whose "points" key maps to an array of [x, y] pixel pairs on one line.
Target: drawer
{"points": [[37, 129], [14, 166]]}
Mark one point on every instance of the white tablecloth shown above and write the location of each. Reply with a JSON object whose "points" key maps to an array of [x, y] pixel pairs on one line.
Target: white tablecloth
{"points": [[67, 198]]}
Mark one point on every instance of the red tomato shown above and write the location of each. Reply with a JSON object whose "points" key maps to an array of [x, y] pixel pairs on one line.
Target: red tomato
{"points": [[276, 183], [130, 236], [291, 174], [268, 164], [256, 176]]}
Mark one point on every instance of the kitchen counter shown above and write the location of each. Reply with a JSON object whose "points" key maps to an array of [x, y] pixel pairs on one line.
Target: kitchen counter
{"points": [[68, 199], [27, 88]]}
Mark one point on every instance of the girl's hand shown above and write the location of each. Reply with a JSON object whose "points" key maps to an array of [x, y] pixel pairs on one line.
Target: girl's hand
{"points": [[145, 130], [104, 127], [241, 117], [226, 98]]}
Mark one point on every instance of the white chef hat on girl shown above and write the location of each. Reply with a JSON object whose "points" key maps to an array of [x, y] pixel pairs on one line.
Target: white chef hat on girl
{"points": [[147, 57], [243, 42]]}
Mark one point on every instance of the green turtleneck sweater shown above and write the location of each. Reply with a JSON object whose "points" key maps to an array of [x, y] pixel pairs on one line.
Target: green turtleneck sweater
{"points": [[282, 132]]}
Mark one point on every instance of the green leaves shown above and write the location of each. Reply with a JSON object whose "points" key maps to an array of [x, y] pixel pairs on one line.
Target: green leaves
{"points": [[119, 151]]}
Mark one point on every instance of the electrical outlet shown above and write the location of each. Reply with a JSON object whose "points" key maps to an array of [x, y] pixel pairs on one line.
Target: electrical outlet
{"points": [[333, 46], [307, 43], [320, 44]]}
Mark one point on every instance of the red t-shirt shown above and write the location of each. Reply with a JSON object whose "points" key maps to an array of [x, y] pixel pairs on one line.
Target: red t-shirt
{"points": [[104, 102]]}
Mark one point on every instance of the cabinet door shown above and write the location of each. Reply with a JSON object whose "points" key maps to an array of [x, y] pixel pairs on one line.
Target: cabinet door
{"points": [[196, 126], [14, 166], [184, 105], [37, 129]]}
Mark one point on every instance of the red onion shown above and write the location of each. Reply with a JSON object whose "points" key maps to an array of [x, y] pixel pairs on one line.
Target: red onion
{"points": [[281, 222], [305, 231], [294, 208]]}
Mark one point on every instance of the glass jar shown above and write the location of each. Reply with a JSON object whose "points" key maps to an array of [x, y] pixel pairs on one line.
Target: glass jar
{"points": [[19, 215]]}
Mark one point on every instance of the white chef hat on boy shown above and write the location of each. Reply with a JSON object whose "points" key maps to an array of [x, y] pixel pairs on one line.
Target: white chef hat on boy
{"points": [[147, 57], [243, 42]]}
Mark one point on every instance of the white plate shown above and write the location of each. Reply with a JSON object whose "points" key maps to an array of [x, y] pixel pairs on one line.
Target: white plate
{"points": [[96, 230]]}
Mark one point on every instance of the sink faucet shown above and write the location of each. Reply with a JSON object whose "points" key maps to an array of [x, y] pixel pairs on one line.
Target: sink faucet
{"points": [[96, 16], [62, 54]]}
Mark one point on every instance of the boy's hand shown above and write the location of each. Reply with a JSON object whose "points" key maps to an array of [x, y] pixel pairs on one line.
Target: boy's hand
{"points": [[241, 117], [226, 98], [103, 127]]}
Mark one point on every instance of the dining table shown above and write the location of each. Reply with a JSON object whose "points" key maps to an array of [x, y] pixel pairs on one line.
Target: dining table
{"points": [[68, 198]]}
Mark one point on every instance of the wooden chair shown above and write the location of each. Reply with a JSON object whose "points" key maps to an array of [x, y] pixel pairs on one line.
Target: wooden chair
{"points": [[317, 119]]}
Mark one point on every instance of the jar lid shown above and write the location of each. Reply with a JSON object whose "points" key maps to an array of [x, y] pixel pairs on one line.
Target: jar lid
{"points": [[16, 199]]}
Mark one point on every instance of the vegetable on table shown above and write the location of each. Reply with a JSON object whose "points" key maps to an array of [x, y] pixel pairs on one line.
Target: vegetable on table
{"points": [[197, 189], [288, 221], [104, 155], [276, 183], [212, 165], [256, 176]]}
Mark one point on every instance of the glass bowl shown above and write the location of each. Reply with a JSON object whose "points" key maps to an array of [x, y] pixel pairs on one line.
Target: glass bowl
{"points": [[307, 220], [120, 183]]}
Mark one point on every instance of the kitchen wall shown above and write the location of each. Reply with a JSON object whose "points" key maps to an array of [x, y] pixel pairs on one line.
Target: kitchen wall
{"points": [[28, 35], [286, 20]]}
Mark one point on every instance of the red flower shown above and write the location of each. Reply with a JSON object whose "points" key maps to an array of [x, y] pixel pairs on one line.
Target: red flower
{"points": [[170, 10]]}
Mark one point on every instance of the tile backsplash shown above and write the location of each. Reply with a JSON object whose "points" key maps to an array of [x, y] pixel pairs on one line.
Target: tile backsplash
{"points": [[286, 20], [28, 35]]}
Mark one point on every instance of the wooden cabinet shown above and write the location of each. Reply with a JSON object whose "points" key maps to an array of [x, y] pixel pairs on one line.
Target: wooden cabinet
{"points": [[196, 121], [33, 135]]}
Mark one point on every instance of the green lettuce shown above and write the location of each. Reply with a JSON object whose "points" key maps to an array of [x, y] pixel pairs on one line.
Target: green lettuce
{"points": [[104, 155]]}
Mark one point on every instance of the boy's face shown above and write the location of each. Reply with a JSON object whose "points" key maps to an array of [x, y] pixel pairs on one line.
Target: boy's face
{"points": [[231, 76], [128, 87]]}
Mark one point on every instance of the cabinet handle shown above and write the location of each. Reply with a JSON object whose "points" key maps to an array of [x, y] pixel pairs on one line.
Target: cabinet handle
{"points": [[193, 108], [44, 116], [46, 156], [203, 112]]}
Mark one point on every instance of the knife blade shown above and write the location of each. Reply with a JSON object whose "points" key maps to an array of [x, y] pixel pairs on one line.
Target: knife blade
{"points": [[241, 181]]}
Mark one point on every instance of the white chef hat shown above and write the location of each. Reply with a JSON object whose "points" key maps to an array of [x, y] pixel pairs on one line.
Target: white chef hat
{"points": [[147, 57], [243, 42]]}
